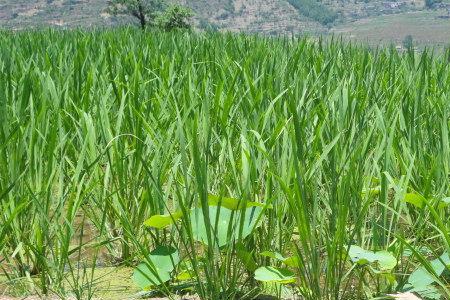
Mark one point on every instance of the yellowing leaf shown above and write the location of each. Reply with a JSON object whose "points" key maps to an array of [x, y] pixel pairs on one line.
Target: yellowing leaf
{"points": [[161, 221], [272, 274], [415, 199], [183, 276], [292, 262], [371, 192]]}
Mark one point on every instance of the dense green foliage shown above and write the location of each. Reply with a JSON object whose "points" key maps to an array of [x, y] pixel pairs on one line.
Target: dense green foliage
{"points": [[153, 13], [175, 17], [333, 147], [315, 10], [146, 11]]}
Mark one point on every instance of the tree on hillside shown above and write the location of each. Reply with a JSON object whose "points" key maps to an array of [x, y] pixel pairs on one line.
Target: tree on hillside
{"points": [[431, 3], [175, 17], [408, 42], [315, 10], [146, 11]]}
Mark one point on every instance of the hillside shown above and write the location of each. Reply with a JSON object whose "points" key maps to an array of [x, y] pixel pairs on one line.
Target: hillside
{"points": [[261, 16]]}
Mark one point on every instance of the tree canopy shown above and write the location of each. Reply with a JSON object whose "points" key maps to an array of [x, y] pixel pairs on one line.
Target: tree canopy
{"points": [[146, 11]]}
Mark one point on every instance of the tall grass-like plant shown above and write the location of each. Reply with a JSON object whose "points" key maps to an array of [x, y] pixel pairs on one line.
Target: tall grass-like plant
{"points": [[248, 165]]}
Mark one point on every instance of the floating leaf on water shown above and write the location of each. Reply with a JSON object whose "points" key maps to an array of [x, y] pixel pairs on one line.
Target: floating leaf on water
{"points": [[386, 261], [422, 278], [359, 255], [272, 274], [156, 270], [144, 278], [429, 292]]}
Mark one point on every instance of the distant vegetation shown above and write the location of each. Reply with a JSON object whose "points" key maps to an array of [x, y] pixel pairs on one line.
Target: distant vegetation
{"points": [[175, 17], [408, 42], [315, 10], [431, 3], [257, 16], [152, 13]]}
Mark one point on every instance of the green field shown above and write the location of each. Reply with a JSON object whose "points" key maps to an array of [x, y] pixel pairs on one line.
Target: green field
{"points": [[222, 166]]}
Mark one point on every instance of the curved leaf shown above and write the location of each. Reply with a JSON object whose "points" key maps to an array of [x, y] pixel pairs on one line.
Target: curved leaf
{"points": [[161, 221], [291, 261], [386, 261], [415, 199], [246, 257], [274, 255], [157, 268], [225, 224], [422, 278], [429, 292], [272, 274]]}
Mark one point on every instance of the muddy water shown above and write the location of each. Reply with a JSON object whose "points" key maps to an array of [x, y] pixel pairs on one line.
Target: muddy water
{"points": [[107, 283], [91, 267], [87, 235]]}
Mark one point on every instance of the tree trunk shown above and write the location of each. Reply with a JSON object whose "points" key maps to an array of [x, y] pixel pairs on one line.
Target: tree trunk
{"points": [[141, 16], [142, 20]]}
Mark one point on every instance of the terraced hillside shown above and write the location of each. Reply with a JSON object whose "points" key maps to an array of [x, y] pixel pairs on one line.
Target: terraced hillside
{"points": [[32, 13], [263, 16]]}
